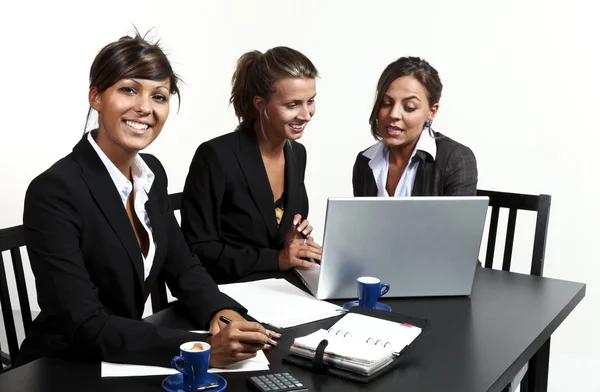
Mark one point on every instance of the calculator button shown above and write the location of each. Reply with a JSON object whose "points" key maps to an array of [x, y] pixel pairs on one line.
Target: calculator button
{"points": [[276, 382]]}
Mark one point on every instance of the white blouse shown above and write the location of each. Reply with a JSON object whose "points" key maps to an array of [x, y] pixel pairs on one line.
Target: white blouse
{"points": [[143, 178], [379, 155]]}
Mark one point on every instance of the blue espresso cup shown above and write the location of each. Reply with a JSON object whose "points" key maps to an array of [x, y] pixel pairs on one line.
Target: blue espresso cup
{"points": [[370, 290], [193, 364]]}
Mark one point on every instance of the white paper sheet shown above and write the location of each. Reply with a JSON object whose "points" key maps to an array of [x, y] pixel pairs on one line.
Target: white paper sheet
{"points": [[279, 303], [108, 369]]}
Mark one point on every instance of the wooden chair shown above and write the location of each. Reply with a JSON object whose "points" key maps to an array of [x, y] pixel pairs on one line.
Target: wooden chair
{"points": [[515, 202], [537, 368], [12, 239]]}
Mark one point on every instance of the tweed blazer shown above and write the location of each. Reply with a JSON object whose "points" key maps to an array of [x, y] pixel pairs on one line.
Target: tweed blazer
{"points": [[453, 172]]}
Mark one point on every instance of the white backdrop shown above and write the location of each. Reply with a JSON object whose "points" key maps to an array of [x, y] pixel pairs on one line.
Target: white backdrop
{"points": [[520, 88]]}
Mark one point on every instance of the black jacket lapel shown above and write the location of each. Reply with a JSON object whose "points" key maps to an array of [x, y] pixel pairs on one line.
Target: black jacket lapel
{"points": [[292, 191], [107, 197], [158, 233], [424, 175], [366, 179], [254, 170]]}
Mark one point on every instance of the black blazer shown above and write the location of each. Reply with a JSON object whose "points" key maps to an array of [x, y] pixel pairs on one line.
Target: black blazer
{"points": [[228, 214], [89, 270], [452, 173]]}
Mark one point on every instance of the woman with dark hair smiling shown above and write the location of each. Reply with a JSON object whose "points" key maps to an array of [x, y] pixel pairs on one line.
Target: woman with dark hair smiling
{"points": [[410, 159], [99, 230]]}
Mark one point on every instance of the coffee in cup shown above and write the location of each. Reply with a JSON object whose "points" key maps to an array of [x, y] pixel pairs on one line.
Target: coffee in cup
{"points": [[369, 290], [192, 362]]}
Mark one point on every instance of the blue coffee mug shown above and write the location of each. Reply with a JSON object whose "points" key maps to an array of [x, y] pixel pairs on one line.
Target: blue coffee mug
{"points": [[193, 364], [370, 290]]}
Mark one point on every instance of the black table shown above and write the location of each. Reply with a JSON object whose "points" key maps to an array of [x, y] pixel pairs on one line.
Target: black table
{"points": [[475, 343]]}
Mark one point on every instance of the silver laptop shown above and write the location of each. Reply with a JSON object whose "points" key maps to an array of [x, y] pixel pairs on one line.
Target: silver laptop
{"points": [[420, 246]]}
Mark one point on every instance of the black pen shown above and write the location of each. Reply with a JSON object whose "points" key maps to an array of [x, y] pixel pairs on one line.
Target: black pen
{"points": [[271, 342], [305, 237]]}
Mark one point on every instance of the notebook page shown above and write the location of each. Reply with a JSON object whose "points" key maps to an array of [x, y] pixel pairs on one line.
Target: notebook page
{"points": [[267, 299], [375, 331], [109, 369], [345, 353]]}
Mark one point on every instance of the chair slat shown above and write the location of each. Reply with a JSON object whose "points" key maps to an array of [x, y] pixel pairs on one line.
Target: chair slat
{"points": [[12, 237], [541, 232], [175, 200], [510, 238], [491, 245], [511, 200], [21, 288], [7, 314], [5, 360]]}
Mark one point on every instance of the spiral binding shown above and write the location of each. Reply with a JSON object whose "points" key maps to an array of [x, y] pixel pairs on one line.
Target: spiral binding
{"points": [[370, 340]]}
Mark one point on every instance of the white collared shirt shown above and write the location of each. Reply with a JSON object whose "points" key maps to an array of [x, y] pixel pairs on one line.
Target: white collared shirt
{"points": [[379, 154], [143, 178]]}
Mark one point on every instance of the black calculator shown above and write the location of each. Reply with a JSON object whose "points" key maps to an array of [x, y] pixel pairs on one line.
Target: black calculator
{"points": [[277, 382]]}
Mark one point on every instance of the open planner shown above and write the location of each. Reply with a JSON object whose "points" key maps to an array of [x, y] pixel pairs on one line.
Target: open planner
{"points": [[361, 342]]}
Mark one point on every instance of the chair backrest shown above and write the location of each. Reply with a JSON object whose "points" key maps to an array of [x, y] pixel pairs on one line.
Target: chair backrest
{"points": [[175, 200], [158, 296], [12, 239], [514, 202]]}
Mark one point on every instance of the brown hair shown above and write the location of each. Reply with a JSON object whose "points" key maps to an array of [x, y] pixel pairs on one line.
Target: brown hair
{"points": [[131, 58], [406, 66], [257, 73]]}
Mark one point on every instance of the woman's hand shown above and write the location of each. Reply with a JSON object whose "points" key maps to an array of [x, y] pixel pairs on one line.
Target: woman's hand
{"points": [[237, 340], [296, 248], [216, 325]]}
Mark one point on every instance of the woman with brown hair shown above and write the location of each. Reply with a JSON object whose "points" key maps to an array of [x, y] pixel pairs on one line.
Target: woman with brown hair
{"points": [[410, 159], [244, 202], [99, 230]]}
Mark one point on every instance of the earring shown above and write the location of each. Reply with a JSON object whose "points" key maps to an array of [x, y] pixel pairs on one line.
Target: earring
{"points": [[428, 123]]}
